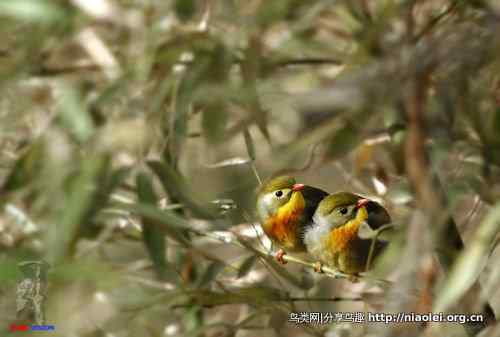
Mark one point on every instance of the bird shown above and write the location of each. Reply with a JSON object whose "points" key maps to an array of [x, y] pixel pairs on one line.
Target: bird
{"points": [[335, 239], [285, 208]]}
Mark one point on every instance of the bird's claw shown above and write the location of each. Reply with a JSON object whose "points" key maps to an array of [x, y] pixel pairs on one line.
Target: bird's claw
{"points": [[279, 256], [318, 267]]}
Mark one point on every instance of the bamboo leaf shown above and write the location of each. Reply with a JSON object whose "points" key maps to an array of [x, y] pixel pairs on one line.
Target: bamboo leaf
{"points": [[249, 144], [469, 264], [176, 186], [168, 222], [210, 274], [77, 209], [185, 9], [26, 168], [153, 238], [73, 114], [246, 266]]}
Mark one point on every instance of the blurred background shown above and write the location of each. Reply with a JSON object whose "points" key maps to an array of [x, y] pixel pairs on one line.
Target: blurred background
{"points": [[133, 134]]}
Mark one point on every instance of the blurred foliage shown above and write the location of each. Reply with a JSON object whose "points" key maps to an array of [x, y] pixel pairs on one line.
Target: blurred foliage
{"points": [[133, 133]]}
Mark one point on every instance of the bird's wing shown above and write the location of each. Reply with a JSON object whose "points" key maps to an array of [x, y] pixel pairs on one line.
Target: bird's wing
{"points": [[377, 215], [313, 196]]}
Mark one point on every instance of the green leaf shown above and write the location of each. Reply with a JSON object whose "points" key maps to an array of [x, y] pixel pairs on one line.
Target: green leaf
{"points": [[26, 168], [470, 263], [153, 238], [76, 210], [249, 144], [106, 182], [74, 116], [166, 86], [176, 186], [185, 9], [117, 177], [168, 222], [246, 266], [210, 274], [178, 123], [193, 320]]}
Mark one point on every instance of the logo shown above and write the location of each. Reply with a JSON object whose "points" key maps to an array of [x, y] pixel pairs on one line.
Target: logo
{"points": [[30, 297]]}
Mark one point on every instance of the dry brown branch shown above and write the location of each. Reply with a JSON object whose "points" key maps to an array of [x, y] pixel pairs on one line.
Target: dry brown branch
{"points": [[448, 242]]}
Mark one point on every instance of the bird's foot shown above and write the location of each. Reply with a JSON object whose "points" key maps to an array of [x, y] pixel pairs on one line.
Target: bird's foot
{"points": [[354, 278], [279, 256], [318, 267]]}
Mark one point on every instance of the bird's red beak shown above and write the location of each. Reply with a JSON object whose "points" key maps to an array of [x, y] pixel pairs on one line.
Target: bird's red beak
{"points": [[298, 187], [362, 203]]}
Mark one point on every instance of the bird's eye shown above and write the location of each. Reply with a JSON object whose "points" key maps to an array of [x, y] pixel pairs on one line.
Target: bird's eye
{"points": [[278, 193], [343, 211]]}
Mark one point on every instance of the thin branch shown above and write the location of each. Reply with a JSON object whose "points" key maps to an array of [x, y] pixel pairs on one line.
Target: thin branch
{"points": [[327, 271], [435, 20], [321, 299], [285, 299], [308, 62], [255, 172], [48, 71], [374, 241]]}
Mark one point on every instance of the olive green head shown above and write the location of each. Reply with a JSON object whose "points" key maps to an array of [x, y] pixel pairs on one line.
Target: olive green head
{"points": [[273, 194], [276, 183], [337, 209]]}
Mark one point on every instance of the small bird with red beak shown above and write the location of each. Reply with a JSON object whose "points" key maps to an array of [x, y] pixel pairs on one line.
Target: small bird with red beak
{"points": [[285, 209], [334, 239]]}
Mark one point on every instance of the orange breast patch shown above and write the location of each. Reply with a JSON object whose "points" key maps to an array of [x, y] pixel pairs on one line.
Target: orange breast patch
{"points": [[341, 237], [283, 226]]}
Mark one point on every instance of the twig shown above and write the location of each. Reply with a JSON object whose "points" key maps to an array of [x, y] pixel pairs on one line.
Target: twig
{"points": [[327, 271], [472, 212], [374, 241], [255, 172], [321, 299], [308, 61], [435, 20], [289, 299]]}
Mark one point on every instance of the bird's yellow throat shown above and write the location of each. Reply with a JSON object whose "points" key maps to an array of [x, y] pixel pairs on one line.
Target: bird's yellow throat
{"points": [[340, 237], [282, 225]]}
